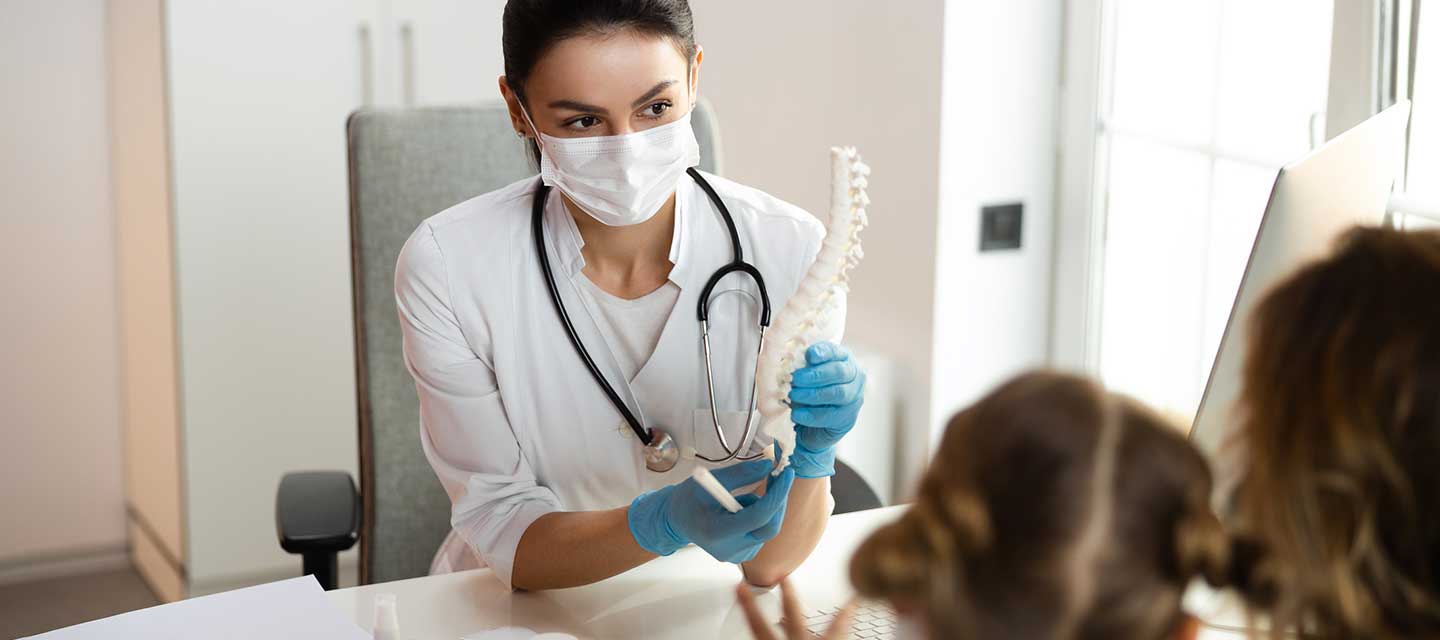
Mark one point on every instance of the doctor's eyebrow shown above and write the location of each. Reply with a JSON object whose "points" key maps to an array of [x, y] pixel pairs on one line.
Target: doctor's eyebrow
{"points": [[578, 106], [654, 91], [590, 108]]}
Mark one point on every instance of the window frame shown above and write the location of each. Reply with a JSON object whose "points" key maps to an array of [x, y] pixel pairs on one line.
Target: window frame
{"points": [[1371, 68]]}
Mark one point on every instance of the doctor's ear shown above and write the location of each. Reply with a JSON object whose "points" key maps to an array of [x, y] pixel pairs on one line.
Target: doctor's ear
{"points": [[695, 73], [512, 104]]}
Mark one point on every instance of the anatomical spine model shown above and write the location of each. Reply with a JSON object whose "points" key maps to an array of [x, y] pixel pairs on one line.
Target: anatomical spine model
{"points": [[807, 313]]}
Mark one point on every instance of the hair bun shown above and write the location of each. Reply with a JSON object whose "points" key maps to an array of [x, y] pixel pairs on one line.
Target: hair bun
{"points": [[916, 555], [896, 560], [1253, 573], [1203, 548], [968, 522]]}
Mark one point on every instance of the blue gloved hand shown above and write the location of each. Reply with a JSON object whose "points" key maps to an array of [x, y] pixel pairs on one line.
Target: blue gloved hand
{"points": [[825, 399], [666, 519]]}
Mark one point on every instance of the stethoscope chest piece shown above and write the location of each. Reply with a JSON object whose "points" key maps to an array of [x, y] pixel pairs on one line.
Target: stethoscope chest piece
{"points": [[662, 453]]}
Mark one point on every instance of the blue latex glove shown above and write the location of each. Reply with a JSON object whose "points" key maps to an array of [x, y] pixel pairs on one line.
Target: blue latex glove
{"points": [[825, 399], [666, 519]]}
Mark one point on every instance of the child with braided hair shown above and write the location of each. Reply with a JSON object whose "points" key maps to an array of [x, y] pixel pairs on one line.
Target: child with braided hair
{"points": [[1052, 510]]}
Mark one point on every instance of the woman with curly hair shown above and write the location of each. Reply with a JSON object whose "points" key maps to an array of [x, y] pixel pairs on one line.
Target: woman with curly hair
{"points": [[1339, 442]]}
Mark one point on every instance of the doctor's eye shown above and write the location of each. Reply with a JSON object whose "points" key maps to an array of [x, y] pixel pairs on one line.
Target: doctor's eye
{"points": [[656, 110], [582, 123]]}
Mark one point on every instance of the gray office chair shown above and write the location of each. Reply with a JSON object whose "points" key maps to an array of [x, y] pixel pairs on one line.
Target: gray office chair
{"points": [[405, 165]]}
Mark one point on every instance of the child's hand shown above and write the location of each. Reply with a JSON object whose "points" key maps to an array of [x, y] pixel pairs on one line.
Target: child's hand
{"points": [[793, 622]]}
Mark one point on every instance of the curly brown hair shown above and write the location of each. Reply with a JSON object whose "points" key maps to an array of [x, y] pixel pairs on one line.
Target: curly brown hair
{"points": [[1340, 441], [1052, 509]]}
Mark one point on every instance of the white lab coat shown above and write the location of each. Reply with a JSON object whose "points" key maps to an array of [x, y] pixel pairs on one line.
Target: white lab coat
{"points": [[510, 419]]}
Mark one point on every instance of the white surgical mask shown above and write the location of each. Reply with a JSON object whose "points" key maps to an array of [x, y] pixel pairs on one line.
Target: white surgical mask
{"points": [[619, 180]]}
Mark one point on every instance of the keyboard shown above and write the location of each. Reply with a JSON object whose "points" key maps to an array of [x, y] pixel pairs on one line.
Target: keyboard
{"points": [[872, 620]]}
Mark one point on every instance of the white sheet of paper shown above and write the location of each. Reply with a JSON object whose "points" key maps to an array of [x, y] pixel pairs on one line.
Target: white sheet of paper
{"points": [[296, 608]]}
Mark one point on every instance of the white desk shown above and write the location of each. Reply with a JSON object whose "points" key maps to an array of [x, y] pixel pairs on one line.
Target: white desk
{"points": [[686, 595]]}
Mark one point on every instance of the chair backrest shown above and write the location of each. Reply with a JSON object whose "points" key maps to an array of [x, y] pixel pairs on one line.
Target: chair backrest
{"points": [[406, 165], [850, 490]]}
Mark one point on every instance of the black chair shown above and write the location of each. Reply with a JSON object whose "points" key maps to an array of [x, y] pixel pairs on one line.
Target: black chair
{"points": [[851, 492]]}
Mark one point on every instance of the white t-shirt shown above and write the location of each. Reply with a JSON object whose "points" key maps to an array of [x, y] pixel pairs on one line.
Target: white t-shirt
{"points": [[631, 327]]}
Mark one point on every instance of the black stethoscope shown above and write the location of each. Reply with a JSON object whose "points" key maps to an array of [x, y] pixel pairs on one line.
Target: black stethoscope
{"points": [[661, 452]]}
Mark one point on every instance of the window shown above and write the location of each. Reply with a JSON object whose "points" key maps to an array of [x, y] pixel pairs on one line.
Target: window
{"points": [[1422, 185], [1201, 102]]}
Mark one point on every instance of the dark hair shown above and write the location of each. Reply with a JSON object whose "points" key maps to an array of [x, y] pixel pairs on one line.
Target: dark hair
{"points": [[532, 27], [1052, 509], [1340, 418]]}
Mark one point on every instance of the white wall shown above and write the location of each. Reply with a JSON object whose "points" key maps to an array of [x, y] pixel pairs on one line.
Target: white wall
{"points": [[791, 79], [968, 86], [998, 144], [60, 461]]}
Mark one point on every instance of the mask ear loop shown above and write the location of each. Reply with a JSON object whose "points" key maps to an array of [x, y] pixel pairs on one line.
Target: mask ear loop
{"points": [[533, 129], [524, 112], [539, 142]]}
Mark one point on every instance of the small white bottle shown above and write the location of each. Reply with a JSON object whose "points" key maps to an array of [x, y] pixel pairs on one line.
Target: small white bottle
{"points": [[387, 619]]}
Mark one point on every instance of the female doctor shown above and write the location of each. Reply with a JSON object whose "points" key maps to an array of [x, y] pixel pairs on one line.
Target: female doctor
{"points": [[546, 473]]}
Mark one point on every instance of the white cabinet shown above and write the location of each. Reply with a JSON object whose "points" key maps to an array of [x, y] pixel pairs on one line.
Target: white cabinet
{"points": [[446, 51], [228, 134]]}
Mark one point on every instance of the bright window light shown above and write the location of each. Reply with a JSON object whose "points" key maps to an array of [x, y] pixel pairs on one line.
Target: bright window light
{"points": [[1207, 100], [1423, 180]]}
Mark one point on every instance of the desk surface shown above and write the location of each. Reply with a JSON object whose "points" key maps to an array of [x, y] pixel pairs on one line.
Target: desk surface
{"points": [[686, 595]]}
